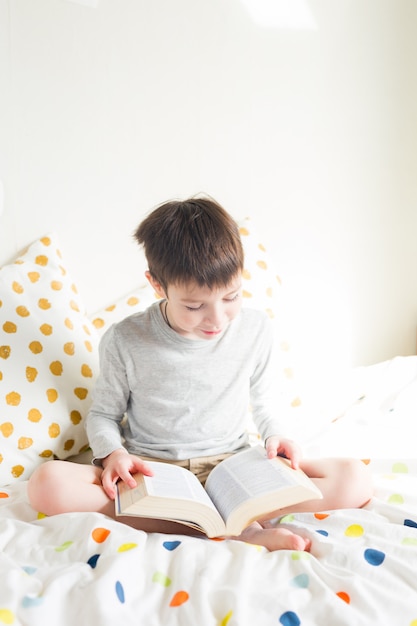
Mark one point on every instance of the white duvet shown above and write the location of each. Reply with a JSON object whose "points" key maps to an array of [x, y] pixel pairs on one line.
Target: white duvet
{"points": [[85, 569]]}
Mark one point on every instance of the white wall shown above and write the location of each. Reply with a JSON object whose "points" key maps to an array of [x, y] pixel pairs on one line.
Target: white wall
{"points": [[107, 111]]}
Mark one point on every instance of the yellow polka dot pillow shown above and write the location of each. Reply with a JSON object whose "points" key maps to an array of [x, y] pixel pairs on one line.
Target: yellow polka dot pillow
{"points": [[261, 284], [137, 300], [48, 362], [262, 289]]}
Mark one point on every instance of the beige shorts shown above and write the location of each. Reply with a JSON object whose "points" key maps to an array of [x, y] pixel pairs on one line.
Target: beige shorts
{"points": [[201, 466]]}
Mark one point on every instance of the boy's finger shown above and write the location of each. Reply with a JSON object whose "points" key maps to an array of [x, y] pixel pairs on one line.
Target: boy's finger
{"points": [[271, 447], [143, 468], [108, 487]]}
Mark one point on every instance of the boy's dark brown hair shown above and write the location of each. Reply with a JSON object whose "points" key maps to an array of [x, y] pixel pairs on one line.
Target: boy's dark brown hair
{"points": [[192, 240]]}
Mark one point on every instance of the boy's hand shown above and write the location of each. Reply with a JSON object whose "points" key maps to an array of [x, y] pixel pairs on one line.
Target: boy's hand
{"points": [[120, 465], [277, 446]]}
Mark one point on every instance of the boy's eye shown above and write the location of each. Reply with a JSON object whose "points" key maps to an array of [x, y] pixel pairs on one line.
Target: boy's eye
{"points": [[197, 308]]}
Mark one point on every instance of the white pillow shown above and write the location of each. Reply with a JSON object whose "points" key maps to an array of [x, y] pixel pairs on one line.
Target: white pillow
{"points": [[48, 362]]}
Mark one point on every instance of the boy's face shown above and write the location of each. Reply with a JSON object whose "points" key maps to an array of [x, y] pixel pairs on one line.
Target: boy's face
{"points": [[200, 312]]}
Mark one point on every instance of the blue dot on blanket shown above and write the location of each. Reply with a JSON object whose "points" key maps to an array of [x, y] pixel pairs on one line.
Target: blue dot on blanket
{"points": [[289, 619], [92, 561], [323, 532], [410, 522], [120, 593], [374, 557], [300, 581], [31, 601], [171, 545]]}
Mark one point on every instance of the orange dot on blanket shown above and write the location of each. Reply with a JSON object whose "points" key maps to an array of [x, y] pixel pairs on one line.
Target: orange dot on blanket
{"points": [[321, 515], [179, 598], [344, 596], [100, 534], [3, 494]]}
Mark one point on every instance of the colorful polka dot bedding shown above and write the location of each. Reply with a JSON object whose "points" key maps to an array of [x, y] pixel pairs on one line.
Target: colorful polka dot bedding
{"points": [[88, 569], [84, 568]]}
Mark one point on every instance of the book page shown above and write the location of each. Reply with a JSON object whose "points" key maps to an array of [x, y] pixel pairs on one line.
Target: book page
{"points": [[172, 481], [168, 481], [243, 476]]}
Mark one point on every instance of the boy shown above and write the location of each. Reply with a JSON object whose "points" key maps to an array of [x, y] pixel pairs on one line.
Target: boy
{"points": [[183, 373]]}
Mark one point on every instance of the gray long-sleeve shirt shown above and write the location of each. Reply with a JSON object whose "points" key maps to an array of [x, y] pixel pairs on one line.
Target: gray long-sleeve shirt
{"points": [[182, 397]]}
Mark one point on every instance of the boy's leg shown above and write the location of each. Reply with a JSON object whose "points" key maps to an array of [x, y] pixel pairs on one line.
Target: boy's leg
{"points": [[63, 487], [344, 483]]}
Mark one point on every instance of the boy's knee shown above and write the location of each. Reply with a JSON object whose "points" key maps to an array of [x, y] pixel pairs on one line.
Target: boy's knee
{"points": [[357, 474], [42, 486]]}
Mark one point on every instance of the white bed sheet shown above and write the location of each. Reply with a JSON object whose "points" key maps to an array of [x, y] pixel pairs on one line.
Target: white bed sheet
{"points": [[379, 417], [362, 570]]}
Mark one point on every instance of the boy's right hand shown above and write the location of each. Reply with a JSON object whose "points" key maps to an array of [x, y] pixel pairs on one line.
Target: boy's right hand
{"points": [[120, 465]]}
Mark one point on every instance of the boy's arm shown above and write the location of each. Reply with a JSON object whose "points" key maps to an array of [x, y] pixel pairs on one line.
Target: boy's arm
{"points": [[263, 394], [265, 404], [110, 400]]}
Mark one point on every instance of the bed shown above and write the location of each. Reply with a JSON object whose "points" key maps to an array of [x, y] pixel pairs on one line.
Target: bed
{"points": [[84, 568]]}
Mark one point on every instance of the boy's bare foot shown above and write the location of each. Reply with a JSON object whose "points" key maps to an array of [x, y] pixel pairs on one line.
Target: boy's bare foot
{"points": [[274, 538]]}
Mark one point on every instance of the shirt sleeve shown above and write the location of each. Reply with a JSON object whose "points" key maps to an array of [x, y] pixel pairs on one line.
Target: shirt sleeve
{"points": [[264, 411], [110, 400]]}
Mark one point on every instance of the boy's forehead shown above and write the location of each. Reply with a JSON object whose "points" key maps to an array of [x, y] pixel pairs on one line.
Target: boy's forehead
{"points": [[192, 289]]}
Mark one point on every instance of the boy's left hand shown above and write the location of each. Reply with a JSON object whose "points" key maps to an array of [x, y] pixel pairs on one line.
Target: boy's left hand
{"points": [[279, 446]]}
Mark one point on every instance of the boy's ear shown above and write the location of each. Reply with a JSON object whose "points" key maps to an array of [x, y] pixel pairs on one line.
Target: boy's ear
{"points": [[155, 285]]}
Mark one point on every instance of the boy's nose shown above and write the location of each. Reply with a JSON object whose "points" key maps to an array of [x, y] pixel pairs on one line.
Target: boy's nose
{"points": [[215, 317]]}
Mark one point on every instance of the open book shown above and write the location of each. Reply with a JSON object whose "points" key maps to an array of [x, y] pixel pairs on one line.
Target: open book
{"points": [[243, 488]]}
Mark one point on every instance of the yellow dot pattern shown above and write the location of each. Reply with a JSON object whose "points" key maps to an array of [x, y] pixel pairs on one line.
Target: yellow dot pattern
{"points": [[138, 300], [48, 362], [262, 289]]}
